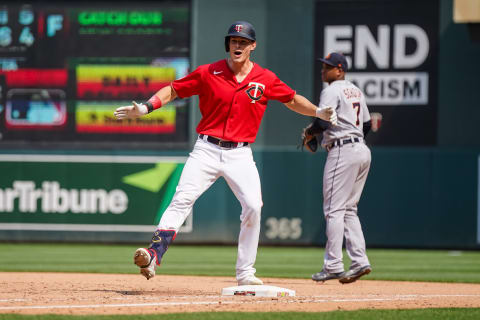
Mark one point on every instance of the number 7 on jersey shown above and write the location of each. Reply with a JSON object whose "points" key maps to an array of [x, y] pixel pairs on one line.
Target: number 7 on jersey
{"points": [[357, 106]]}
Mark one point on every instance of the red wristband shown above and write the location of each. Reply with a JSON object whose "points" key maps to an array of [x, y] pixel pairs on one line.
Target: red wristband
{"points": [[155, 101]]}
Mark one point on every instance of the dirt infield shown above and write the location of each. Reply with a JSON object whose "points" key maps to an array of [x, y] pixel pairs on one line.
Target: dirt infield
{"points": [[73, 293]]}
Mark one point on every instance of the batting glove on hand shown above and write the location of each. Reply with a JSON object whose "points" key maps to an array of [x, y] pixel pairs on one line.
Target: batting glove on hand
{"points": [[134, 111], [327, 114]]}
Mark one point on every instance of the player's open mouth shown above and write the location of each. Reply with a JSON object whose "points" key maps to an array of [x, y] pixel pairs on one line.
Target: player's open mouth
{"points": [[237, 53]]}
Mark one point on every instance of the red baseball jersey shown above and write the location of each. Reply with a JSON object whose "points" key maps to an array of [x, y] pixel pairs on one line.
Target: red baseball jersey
{"points": [[230, 110]]}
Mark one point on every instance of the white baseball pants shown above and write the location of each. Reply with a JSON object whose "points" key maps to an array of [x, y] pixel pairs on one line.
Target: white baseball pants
{"points": [[206, 163], [344, 177]]}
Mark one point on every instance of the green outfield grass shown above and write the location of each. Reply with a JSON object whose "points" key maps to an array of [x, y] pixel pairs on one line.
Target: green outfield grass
{"points": [[423, 314], [291, 262]]}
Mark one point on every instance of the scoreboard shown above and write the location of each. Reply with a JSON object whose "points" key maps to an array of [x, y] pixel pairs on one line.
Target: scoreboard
{"points": [[66, 66]]}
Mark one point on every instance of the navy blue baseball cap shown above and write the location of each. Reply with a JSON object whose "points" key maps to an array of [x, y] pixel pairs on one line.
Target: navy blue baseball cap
{"points": [[240, 29], [336, 59]]}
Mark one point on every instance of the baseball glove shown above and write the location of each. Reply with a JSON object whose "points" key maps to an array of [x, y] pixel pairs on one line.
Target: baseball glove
{"points": [[311, 133], [309, 141]]}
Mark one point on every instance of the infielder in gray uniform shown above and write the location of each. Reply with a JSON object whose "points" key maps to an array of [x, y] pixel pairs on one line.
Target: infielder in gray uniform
{"points": [[345, 171]]}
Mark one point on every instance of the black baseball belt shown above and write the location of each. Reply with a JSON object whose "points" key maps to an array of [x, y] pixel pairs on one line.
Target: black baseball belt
{"points": [[341, 142], [223, 143]]}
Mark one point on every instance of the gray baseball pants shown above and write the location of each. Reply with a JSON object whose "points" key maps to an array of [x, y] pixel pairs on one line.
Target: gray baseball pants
{"points": [[344, 177]]}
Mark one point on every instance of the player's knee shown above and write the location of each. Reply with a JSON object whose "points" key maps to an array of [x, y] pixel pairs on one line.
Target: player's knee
{"points": [[251, 210], [184, 199], [254, 204]]}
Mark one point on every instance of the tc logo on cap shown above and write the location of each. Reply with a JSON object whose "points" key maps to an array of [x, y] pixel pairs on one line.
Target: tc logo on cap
{"points": [[238, 27]]}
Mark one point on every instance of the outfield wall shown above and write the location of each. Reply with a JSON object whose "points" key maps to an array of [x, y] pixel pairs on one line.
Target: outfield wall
{"points": [[412, 198]]}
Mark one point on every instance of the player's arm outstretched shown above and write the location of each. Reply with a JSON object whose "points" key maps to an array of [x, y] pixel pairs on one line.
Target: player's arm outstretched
{"points": [[162, 97], [301, 105]]}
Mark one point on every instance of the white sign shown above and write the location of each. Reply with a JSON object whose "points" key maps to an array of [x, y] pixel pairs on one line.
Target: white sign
{"points": [[392, 88]]}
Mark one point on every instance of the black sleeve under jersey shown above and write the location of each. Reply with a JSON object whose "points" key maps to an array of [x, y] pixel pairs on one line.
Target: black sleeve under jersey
{"points": [[366, 127], [318, 126]]}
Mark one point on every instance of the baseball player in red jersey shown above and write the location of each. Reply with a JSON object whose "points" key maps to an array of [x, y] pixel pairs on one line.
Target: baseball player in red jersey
{"points": [[233, 96]]}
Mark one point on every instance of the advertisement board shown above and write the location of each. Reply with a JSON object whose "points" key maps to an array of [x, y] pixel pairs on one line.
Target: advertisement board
{"points": [[98, 118], [392, 56], [117, 82], [86, 192]]}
